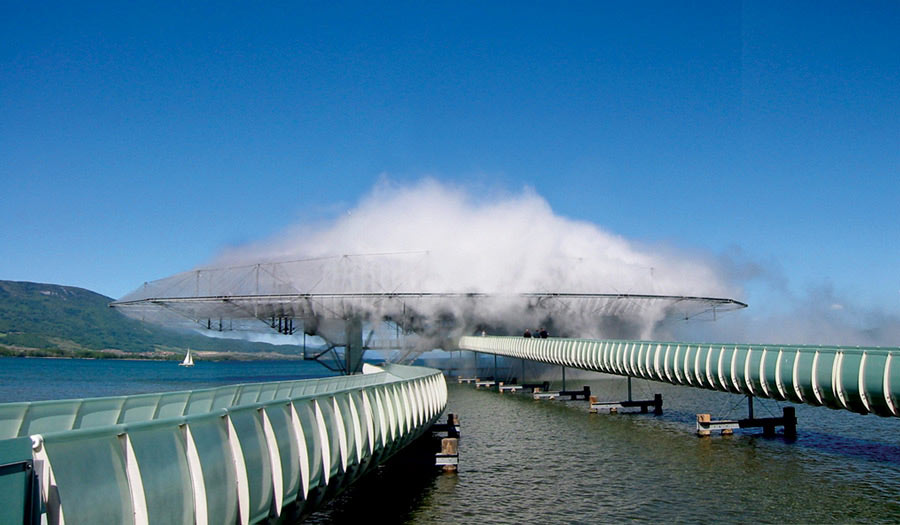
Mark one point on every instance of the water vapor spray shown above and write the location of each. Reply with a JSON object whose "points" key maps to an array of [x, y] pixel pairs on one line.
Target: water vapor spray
{"points": [[432, 237]]}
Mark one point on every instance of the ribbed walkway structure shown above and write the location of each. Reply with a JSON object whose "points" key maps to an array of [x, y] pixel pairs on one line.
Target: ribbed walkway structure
{"points": [[864, 380], [236, 454]]}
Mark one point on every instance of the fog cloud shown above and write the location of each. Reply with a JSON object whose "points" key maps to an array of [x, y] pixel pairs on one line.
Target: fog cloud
{"points": [[434, 237], [437, 238]]}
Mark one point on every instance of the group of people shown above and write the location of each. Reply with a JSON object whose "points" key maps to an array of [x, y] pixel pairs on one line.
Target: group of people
{"points": [[542, 333]]}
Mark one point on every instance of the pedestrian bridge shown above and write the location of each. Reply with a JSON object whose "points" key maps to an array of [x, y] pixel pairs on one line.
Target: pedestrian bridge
{"points": [[859, 379], [235, 454]]}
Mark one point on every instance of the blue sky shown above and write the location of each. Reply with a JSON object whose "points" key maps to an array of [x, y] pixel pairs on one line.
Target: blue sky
{"points": [[140, 140]]}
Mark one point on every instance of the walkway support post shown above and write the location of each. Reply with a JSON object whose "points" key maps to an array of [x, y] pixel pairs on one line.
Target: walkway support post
{"points": [[353, 353]]}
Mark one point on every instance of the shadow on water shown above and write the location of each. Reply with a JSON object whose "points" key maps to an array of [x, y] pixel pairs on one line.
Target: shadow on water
{"points": [[850, 447], [394, 491]]}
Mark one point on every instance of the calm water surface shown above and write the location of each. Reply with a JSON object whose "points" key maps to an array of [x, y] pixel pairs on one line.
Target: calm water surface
{"points": [[553, 462], [27, 379], [526, 461]]}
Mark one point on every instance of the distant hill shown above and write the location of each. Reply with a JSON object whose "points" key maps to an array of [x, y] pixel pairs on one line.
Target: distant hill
{"points": [[54, 320]]}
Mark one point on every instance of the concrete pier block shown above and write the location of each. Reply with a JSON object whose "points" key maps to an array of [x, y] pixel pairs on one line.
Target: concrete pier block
{"points": [[703, 418], [448, 459]]}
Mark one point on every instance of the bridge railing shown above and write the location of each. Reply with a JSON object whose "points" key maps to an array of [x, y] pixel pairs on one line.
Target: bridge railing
{"points": [[859, 379], [244, 453]]}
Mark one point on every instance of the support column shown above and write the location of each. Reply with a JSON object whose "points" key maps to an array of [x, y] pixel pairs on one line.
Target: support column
{"points": [[353, 352]]}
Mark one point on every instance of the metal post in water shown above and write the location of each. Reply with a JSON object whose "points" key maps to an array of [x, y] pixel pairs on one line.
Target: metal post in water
{"points": [[750, 405], [629, 388], [564, 378]]}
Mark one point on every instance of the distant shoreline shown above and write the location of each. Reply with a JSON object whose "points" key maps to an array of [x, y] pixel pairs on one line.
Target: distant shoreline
{"points": [[159, 355]]}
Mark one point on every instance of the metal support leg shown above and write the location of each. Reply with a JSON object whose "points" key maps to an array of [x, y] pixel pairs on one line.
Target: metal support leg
{"points": [[629, 388], [353, 352]]}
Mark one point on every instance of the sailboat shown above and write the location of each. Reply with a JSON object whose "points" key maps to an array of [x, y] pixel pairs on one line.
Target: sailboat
{"points": [[188, 360]]}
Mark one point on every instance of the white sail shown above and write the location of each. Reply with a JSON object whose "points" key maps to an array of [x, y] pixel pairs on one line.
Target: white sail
{"points": [[188, 360]]}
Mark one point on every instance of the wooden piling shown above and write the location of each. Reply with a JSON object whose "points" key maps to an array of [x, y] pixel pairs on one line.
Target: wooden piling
{"points": [[703, 418], [450, 448]]}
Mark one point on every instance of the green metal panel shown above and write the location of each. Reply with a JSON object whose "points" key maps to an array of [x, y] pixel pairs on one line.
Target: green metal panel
{"points": [[89, 468], [631, 362], [284, 390], [172, 404], [381, 418], [397, 409], [98, 412], [210, 436], [728, 361], [740, 378], [248, 425], [755, 371], [849, 381], [267, 392], [16, 481], [786, 375], [49, 416], [873, 383], [825, 362], [11, 417], [248, 394], [616, 362], [343, 404], [708, 369], [332, 461], [159, 450], [224, 397], [689, 368], [306, 414], [199, 402], [668, 363], [768, 366], [141, 408], [804, 373], [289, 454], [893, 379], [365, 422]]}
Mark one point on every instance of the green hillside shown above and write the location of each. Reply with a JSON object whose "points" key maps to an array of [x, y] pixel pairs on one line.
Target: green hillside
{"points": [[49, 319]]}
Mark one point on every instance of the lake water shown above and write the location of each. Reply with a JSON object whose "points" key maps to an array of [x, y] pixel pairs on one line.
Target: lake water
{"points": [[523, 460], [30, 379]]}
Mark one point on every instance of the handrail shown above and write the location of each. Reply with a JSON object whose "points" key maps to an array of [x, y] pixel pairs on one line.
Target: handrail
{"points": [[859, 379], [256, 452]]}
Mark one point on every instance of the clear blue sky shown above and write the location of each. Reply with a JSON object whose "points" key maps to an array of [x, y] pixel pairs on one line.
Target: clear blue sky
{"points": [[138, 140]]}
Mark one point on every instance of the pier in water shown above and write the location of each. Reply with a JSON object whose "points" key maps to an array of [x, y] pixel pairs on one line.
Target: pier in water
{"points": [[554, 462], [523, 460]]}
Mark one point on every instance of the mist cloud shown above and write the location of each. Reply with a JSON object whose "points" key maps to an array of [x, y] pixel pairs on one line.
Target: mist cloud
{"points": [[437, 238], [433, 237]]}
